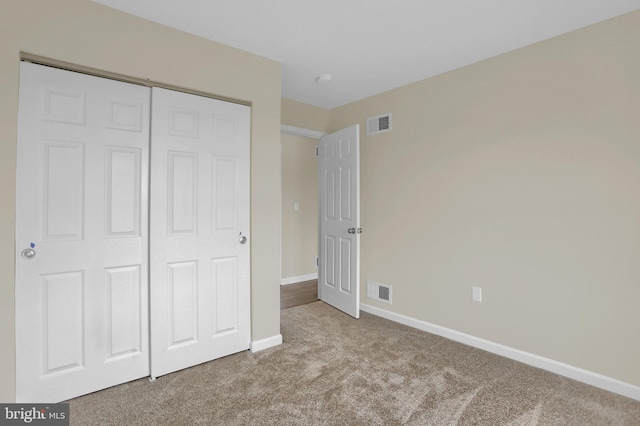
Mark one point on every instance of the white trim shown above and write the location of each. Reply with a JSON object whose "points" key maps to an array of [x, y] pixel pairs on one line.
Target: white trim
{"points": [[298, 131], [575, 373], [269, 342], [300, 279]]}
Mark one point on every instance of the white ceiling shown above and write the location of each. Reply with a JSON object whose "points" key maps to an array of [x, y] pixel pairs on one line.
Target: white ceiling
{"points": [[371, 46]]}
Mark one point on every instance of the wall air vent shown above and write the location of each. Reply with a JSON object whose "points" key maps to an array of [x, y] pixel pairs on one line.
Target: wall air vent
{"points": [[384, 293], [380, 292], [379, 124]]}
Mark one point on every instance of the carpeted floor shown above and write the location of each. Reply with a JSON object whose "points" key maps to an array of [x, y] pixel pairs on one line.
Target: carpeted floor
{"points": [[334, 370]]}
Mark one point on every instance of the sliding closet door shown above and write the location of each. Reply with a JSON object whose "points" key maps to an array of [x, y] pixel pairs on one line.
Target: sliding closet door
{"points": [[199, 230], [81, 234]]}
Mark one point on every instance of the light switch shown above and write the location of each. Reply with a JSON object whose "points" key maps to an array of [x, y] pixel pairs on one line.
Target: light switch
{"points": [[477, 294], [296, 206]]}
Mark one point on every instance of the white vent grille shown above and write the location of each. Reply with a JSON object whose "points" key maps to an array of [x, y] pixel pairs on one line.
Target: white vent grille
{"points": [[384, 293], [380, 292], [379, 124]]}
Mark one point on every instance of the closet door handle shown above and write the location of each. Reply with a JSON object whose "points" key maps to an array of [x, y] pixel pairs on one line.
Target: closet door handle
{"points": [[28, 253]]}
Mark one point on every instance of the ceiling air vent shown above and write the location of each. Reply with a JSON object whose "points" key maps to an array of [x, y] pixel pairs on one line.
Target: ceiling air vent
{"points": [[379, 124]]}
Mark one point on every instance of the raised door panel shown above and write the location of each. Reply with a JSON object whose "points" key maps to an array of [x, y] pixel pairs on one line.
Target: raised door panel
{"points": [[64, 106], [123, 181], [63, 318], [123, 114], [225, 295], [329, 276], [183, 122], [183, 297], [346, 214], [225, 194], [124, 312], [63, 196], [182, 194]]}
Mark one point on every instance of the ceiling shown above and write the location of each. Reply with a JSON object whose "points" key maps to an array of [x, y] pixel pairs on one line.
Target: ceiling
{"points": [[371, 46]]}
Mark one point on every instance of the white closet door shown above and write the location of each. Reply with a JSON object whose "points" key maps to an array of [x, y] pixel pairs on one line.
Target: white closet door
{"points": [[199, 221], [81, 234]]}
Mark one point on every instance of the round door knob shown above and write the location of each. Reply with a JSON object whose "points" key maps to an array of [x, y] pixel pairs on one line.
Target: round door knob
{"points": [[243, 239], [28, 253]]}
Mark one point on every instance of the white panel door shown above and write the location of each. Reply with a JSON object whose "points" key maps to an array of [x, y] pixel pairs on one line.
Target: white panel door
{"points": [[339, 179], [199, 230], [81, 234]]}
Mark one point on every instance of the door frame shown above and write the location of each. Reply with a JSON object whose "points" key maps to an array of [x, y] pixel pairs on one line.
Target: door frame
{"points": [[306, 133]]}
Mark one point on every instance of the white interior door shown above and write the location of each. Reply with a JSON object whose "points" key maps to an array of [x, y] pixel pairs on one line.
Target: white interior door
{"points": [[81, 234], [199, 230], [339, 179]]}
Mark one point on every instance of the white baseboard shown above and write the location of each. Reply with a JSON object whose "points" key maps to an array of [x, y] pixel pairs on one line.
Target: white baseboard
{"points": [[269, 342], [575, 373], [302, 278]]}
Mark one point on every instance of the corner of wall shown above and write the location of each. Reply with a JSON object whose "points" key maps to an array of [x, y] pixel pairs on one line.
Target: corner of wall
{"points": [[305, 116]]}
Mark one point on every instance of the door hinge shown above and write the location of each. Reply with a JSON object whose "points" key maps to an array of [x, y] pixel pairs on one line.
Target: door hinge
{"points": [[317, 262], [317, 151]]}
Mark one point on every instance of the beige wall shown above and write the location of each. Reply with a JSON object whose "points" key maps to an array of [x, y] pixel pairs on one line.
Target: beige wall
{"points": [[520, 175], [305, 116], [299, 185], [87, 34]]}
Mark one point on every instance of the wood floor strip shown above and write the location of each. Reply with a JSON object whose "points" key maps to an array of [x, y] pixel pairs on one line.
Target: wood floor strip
{"points": [[298, 294]]}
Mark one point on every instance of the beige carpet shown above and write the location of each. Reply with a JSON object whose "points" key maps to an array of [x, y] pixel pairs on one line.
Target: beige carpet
{"points": [[334, 370]]}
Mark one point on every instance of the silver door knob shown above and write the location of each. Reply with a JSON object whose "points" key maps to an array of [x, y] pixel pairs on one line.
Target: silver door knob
{"points": [[351, 230], [28, 253], [243, 239]]}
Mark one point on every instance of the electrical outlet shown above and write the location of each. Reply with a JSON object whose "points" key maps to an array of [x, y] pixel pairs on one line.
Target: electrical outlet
{"points": [[476, 294]]}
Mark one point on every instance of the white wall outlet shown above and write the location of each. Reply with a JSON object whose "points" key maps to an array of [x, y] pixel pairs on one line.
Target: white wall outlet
{"points": [[476, 294]]}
